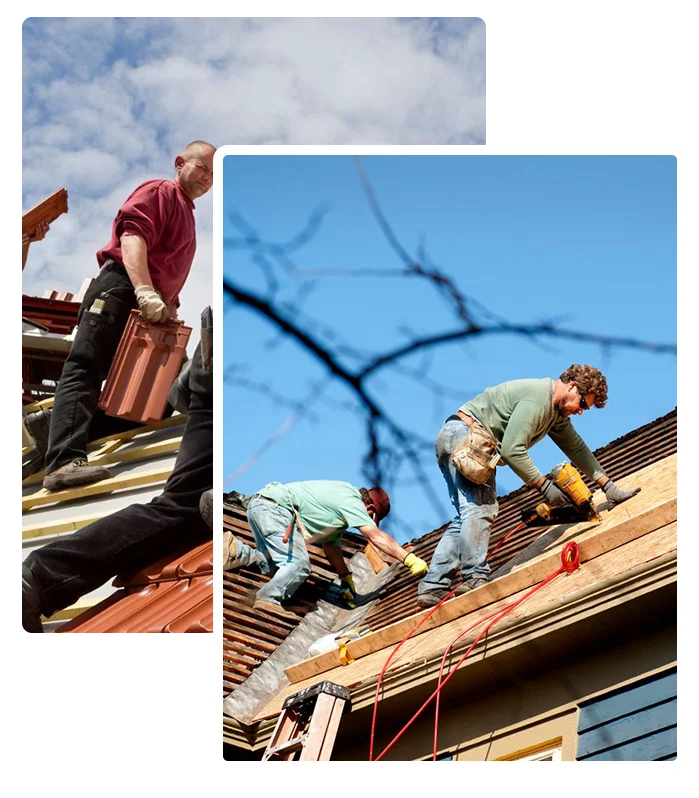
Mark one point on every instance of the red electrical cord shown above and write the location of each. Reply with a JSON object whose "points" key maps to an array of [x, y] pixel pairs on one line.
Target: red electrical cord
{"points": [[411, 633], [570, 557], [388, 661]]}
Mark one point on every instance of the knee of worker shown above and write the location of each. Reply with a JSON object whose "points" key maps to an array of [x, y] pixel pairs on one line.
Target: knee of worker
{"points": [[479, 513], [82, 364]]}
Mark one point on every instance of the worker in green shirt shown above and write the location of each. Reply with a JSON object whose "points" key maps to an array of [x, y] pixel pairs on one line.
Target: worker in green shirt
{"points": [[517, 414], [284, 518]]}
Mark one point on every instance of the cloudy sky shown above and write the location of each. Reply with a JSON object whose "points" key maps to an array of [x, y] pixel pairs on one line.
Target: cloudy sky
{"points": [[108, 103]]}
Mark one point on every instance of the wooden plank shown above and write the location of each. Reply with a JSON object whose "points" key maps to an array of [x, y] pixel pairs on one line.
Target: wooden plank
{"points": [[42, 404], [609, 708], [375, 559], [58, 527], [173, 421], [44, 497], [599, 539], [643, 723]]}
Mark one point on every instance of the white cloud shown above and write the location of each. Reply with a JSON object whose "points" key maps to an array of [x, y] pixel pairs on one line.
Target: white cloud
{"points": [[109, 102]]}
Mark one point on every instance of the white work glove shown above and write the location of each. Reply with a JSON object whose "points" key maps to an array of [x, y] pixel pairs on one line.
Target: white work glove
{"points": [[617, 495], [151, 305]]}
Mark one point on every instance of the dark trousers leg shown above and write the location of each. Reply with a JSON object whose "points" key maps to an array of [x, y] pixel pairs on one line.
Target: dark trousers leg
{"points": [[138, 535], [87, 365]]}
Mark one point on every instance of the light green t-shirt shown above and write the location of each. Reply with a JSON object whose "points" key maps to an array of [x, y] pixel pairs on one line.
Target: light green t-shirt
{"points": [[326, 508], [519, 413]]}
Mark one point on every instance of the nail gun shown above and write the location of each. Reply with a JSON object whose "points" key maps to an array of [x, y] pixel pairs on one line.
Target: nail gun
{"points": [[582, 508]]}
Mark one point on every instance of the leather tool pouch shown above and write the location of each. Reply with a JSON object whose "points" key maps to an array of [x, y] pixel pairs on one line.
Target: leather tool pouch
{"points": [[476, 457]]}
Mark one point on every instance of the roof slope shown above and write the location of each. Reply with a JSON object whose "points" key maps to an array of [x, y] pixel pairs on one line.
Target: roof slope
{"points": [[648, 445]]}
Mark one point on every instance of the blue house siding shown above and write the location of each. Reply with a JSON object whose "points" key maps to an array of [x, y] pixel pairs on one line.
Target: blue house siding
{"points": [[637, 723]]}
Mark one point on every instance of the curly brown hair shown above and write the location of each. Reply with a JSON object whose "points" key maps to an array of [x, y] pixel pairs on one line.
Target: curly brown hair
{"points": [[589, 380]]}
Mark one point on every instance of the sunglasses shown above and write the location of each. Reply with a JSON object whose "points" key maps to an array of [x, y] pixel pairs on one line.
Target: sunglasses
{"points": [[583, 402]]}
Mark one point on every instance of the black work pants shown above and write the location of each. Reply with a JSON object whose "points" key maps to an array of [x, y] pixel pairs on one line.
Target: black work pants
{"points": [[137, 536], [87, 364]]}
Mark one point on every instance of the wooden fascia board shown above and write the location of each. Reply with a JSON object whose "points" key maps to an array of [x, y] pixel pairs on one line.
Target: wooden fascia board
{"points": [[595, 542]]}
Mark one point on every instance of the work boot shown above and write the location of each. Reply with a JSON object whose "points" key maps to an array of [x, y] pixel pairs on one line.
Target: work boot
{"points": [[37, 425], [471, 584], [275, 608], [431, 598], [74, 475], [31, 602], [230, 551], [206, 507]]}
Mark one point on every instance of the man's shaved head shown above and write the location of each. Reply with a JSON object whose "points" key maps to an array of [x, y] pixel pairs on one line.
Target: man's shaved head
{"points": [[195, 168], [197, 148]]}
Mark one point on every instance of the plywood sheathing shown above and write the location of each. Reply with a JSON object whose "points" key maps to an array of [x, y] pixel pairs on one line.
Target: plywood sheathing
{"points": [[632, 452], [594, 574], [654, 507]]}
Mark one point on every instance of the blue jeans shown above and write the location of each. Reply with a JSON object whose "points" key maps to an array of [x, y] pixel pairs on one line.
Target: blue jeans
{"points": [[464, 543], [288, 561]]}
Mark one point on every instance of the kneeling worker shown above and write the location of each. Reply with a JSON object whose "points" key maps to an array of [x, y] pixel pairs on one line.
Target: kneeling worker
{"points": [[283, 518]]}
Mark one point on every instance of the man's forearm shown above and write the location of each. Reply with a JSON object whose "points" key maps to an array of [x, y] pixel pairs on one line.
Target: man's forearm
{"points": [[134, 254], [384, 542], [335, 558]]}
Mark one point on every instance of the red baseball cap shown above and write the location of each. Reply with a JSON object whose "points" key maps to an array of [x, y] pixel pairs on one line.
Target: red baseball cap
{"points": [[381, 502]]}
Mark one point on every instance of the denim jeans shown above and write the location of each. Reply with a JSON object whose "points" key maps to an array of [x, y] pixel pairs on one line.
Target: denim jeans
{"points": [[87, 365], [136, 536], [248, 556], [288, 561], [464, 544]]}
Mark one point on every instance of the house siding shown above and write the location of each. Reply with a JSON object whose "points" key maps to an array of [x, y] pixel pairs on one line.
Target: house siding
{"points": [[638, 723]]}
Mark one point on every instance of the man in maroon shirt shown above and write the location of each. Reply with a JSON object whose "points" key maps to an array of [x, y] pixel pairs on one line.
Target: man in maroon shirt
{"points": [[144, 266]]}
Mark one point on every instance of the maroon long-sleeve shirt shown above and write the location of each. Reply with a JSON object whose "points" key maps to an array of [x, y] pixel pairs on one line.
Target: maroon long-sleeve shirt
{"points": [[163, 216]]}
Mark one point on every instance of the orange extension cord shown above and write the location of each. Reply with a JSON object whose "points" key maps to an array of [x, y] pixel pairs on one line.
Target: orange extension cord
{"points": [[570, 561]]}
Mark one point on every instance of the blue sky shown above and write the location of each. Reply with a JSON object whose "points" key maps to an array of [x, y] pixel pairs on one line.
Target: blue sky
{"points": [[108, 103], [585, 243]]}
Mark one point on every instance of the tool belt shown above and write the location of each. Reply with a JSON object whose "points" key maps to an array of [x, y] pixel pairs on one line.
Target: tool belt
{"points": [[475, 458]]}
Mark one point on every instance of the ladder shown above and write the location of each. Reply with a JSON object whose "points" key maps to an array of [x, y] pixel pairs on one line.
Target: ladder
{"points": [[308, 724]]}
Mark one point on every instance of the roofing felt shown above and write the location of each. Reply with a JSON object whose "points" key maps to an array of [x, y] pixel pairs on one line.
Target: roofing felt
{"points": [[626, 455]]}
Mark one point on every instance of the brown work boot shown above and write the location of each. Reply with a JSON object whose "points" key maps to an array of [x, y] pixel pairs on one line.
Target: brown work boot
{"points": [[38, 425], [275, 608], [74, 475], [471, 584]]}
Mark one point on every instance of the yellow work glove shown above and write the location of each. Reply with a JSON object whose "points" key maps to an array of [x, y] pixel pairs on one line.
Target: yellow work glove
{"points": [[151, 305], [417, 566], [348, 590]]}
